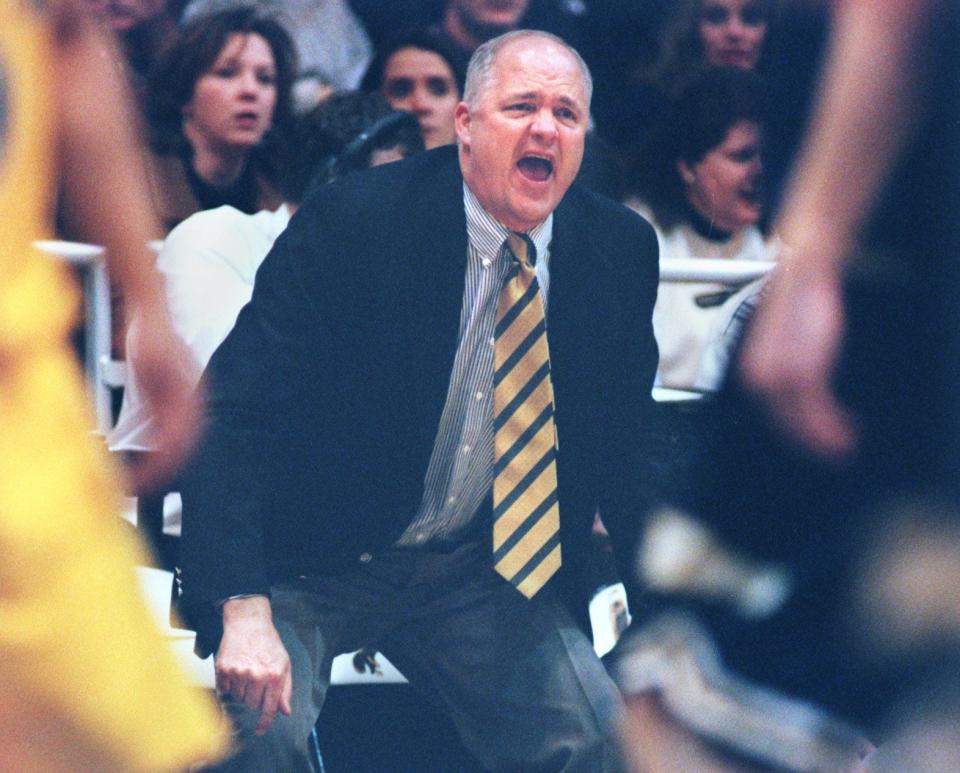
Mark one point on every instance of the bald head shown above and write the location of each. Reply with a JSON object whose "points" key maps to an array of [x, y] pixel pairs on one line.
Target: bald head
{"points": [[481, 67]]}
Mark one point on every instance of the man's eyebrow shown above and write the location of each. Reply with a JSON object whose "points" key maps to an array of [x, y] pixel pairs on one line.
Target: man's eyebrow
{"points": [[521, 95], [566, 100], [570, 101]]}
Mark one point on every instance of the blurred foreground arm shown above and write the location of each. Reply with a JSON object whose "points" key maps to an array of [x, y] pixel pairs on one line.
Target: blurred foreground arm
{"points": [[862, 116], [107, 197]]}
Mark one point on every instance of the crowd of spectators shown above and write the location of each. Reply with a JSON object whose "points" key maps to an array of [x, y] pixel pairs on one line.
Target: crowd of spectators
{"points": [[642, 55], [219, 82]]}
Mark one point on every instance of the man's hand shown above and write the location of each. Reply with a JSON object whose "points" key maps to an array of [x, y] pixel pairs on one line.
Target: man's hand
{"points": [[167, 376], [252, 665], [791, 350]]}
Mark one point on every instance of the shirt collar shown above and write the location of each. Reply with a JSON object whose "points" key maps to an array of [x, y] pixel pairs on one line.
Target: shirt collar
{"points": [[487, 235]]}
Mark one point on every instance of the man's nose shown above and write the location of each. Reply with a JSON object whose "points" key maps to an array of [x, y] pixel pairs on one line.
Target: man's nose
{"points": [[544, 125]]}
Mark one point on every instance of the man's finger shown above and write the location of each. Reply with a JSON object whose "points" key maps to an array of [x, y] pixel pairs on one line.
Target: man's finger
{"points": [[286, 694], [223, 683], [271, 697], [253, 694]]}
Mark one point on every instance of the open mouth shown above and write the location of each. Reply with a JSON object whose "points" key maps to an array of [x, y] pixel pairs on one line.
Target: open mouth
{"points": [[247, 120], [535, 168]]}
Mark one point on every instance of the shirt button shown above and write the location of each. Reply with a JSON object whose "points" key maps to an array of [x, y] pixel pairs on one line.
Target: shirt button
{"points": [[365, 558], [486, 262], [451, 500], [466, 449], [420, 538], [493, 341], [479, 396]]}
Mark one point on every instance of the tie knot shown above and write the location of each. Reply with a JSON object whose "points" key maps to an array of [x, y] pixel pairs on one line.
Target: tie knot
{"points": [[522, 249]]}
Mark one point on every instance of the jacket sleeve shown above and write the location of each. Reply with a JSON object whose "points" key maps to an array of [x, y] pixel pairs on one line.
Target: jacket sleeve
{"points": [[254, 384], [630, 451]]}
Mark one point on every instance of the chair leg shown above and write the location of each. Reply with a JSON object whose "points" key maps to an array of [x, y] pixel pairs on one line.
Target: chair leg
{"points": [[316, 759]]}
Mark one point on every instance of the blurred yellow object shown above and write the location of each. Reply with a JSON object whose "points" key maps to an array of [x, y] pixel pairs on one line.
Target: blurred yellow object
{"points": [[87, 681]]}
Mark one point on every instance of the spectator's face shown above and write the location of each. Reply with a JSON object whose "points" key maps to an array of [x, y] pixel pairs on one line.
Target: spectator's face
{"points": [[494, 15], [123, 15], [732, 32], [232, 104], [522, 142], [725, 186], [421, 82]]}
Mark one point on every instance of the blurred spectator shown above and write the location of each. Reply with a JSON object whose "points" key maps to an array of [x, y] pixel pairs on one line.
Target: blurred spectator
{"points": [[415, 72], [382, 20], [700, 184], [780, 40], [710, 33], [217, 104], [695, 36], [332, 46], [144, 29], [209, 261], [465, 24], [353, 131]]}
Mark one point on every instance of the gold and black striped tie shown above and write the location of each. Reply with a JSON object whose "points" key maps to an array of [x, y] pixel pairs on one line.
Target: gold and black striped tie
{"points": [[526, 515]]}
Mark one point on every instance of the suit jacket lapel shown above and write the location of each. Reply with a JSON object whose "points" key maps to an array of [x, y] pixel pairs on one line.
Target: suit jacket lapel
{"points": [[568, 316], [434, 297]]}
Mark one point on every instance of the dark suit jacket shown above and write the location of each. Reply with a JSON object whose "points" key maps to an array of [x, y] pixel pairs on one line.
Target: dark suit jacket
{"points": [[324, 401]]}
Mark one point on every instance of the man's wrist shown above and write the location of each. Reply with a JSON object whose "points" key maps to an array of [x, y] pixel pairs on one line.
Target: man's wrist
{"points": [[245, 605]]}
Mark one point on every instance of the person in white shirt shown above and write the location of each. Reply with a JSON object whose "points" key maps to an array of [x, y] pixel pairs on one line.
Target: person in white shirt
{"points": [[700, 185], [210, 260]]}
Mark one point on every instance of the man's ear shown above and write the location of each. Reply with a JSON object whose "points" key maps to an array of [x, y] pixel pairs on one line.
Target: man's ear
{"points": [[461, 121], [686, 172]]}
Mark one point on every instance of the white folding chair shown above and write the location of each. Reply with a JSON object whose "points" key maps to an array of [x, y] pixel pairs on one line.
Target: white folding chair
{"points": [[89, 261]]}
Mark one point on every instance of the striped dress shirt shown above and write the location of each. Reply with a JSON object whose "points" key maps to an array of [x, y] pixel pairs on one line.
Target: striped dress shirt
{"points": [[460, 473]]}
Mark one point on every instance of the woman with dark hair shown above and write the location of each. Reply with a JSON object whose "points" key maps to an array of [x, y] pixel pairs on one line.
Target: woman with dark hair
{"points": [[216, 105], [694, 36], [700, 34], [415, 71], [700, 185]]}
